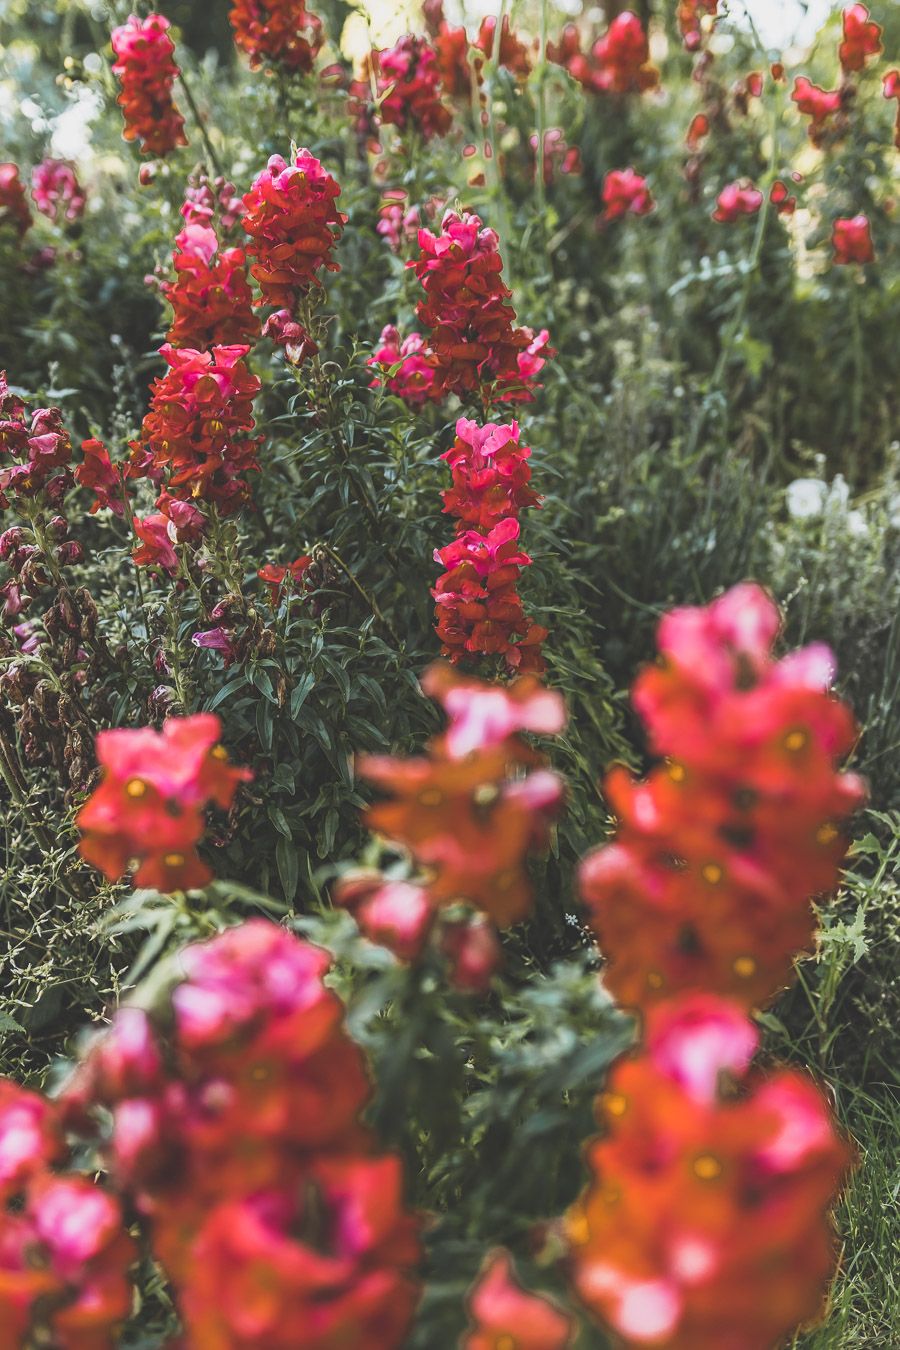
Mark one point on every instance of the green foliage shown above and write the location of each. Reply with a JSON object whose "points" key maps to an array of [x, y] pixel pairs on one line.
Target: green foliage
{"points": [[701, 371]]}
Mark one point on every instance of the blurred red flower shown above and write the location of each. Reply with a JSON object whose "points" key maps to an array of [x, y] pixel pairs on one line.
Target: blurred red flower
{"points": [[146, 70]]}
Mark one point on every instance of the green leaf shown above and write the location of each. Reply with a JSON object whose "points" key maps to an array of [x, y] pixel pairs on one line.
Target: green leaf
{"points": [[288, 867]]}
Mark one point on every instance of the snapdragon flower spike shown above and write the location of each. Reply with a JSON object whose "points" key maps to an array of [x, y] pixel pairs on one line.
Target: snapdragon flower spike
{"points": [[501, 1313], [324, 1265], [490, 475], [736, 200], [414, 380], [862, 38], [513, 55], [38, 446], [64, 1260], [618, 62], [707, 884], [31, 1139], [236, 1136], [56, 190], [470, 323], [477, 607], [690, 15], [149, 806], [14, 209], [483, 716], [277, 32], [147, 71], [197, 431], [212, 304], [819, 105], [705, 1222], [472, 809], [407, 80], [294, 226], [625, 192], [851, 240], [277, 576]]}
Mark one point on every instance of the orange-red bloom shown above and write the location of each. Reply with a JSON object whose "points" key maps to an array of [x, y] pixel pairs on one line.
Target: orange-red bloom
{"points": [[146, 70], [199, 426], [149, 806], [466, 812], [210, 296], [862, 38], [294, 225], [283, 32], [705, 1221], [851, 240], [503, 1315], [14, 208], [717, 854], [618, 62]]}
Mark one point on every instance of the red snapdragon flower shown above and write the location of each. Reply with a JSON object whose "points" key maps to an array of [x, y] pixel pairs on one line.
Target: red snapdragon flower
{"points": [[618, 62], [490, 475], [98, 473], [466, 310], [274, 576], [242, 1149], [146, 70], [690, 15], [283, 32], [780, 197], [294, 225], [395, 914], [851, 240], [397, 224], [56, 190], [697, 131], [199, 424], [473, 951], [736, 200], [407, 79], [14, 209], [862, 38], [478, 609], [210, 296], [625, 192], [30, 1138], [705, 1222], [39, 447], [414, 380], [558, 156], [328, 1264], [471, 819], [483, 716], [64, 1259], [149, 805], [514, 55], [708, 881], [503, 1314], [819, 105]]}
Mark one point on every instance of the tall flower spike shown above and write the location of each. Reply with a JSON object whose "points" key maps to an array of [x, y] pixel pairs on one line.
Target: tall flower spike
{"points": [[467, 313], [705, 1222], [212, 304], [277, 32], [147, 71], [199, 427], [294, 225], [708, 881], [149, 806]]}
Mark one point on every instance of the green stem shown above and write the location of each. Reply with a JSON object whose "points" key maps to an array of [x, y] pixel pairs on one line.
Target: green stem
{"points": [[201, 124], [369, 599]]}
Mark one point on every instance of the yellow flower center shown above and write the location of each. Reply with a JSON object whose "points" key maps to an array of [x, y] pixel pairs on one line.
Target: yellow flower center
{"points": [[135, 787], [174, 860], [712, 873], [795, 740], [707, 1168], [744, 966]]}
